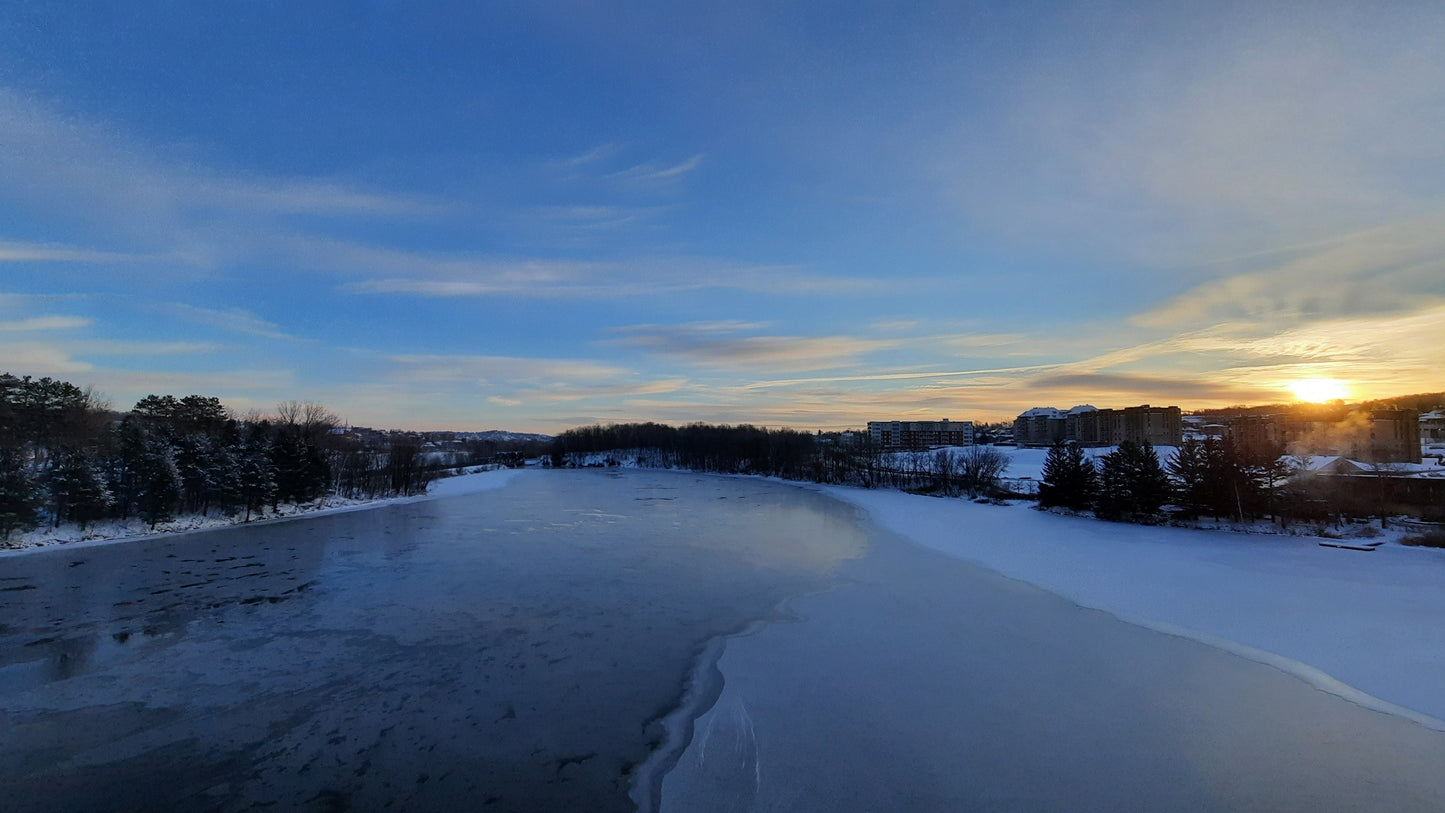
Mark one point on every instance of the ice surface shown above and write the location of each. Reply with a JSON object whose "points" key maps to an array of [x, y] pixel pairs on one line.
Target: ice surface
{"points": [[923, 683], [504, 651], [1369, 620]]}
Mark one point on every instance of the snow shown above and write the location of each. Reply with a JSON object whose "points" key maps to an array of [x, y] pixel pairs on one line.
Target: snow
{"points": [[1360, 625], [1028, 461], [111, 531]]}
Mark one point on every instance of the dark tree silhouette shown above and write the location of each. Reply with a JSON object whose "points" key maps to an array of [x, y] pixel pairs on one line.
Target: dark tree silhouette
{"points": [[1069, 478]]}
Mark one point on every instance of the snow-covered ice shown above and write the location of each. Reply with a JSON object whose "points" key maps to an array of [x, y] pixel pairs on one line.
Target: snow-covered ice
{"points": [[1367, 620]]}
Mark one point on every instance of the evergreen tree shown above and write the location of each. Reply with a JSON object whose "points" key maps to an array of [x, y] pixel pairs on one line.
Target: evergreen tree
{"points": [[301, 473], [77, 489], [128, 443], [1233, 485], [1189, 469], [1132, 485], [160, 484], [257, 477], [19, 497], [193, 458], [1069, 478], [224, 476]]}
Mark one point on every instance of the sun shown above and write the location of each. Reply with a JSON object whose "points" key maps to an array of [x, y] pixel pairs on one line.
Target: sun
{"points": [[1320, 390]]}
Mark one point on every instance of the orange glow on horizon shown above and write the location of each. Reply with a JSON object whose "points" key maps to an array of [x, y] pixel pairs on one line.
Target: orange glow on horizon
{"points": [[1320, 390]]}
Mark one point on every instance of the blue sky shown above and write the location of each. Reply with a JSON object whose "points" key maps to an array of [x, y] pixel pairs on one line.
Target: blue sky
{"points": [[535, 215]]}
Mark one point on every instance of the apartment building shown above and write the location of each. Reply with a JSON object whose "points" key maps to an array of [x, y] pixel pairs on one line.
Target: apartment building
{"points": [[920, 434], [1375, 436], [1089, 426]]}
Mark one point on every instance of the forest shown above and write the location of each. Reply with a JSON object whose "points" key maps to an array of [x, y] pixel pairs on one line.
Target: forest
{"points": [[66, 456]]}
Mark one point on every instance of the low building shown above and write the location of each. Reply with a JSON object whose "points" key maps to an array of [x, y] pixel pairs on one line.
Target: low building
{"points": [[920, 434]]}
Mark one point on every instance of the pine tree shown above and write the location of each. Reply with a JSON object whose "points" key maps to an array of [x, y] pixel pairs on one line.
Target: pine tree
{"points": [[1069, 478], [77, 489], [257, 480], [160, 484], [1132, 485], [224, 477], [1189, 470], [1151, 485], [193, 458], [19, 497]]}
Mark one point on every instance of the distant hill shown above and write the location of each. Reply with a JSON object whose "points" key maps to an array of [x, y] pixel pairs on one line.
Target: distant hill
{"points": [[1421, 402]]}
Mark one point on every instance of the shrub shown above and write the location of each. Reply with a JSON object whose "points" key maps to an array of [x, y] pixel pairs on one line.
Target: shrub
{"points": [[1429, 539]]}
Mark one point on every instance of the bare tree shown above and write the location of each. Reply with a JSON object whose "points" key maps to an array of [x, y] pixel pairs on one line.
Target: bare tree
{"points": [[980, 468], [312, 418]]}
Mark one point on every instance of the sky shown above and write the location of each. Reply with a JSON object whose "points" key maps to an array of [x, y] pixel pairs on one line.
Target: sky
{"points": [[539, 215]]}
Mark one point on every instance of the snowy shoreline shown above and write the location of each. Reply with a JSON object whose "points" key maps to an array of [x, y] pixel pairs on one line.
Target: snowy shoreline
{"points": [[114, 532], [1358, 625]]}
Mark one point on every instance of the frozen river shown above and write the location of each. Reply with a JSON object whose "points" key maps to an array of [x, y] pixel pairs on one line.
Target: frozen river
{"points": [[529, 649]]}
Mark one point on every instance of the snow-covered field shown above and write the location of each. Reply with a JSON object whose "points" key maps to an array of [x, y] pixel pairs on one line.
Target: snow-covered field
{"points": [[1363, 625], [71, 535]]}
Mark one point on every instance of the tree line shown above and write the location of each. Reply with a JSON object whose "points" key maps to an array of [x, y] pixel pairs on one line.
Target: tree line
{"points": [[1213, 477], [65, 456], [745, 449]]}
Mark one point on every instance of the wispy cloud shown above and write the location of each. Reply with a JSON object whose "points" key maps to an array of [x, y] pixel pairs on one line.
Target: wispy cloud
{"points": [[716, 344], [1115, 386], [231, 319], [42, 358], [510, 370], [79, 171], [97, 347], [515, 381], [467, 275], [910, 375], [563, 391], [15, 252], [45, 323], [655, 171], [593, 217], [1380, 270], [674, 171], [599, 153]]}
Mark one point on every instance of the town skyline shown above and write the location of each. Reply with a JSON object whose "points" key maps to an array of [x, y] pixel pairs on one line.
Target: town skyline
{"points": [[446, 218]]}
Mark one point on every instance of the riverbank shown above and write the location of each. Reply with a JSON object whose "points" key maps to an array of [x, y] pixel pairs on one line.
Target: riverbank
{"points": [[109, 532], [1357, 624]]}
